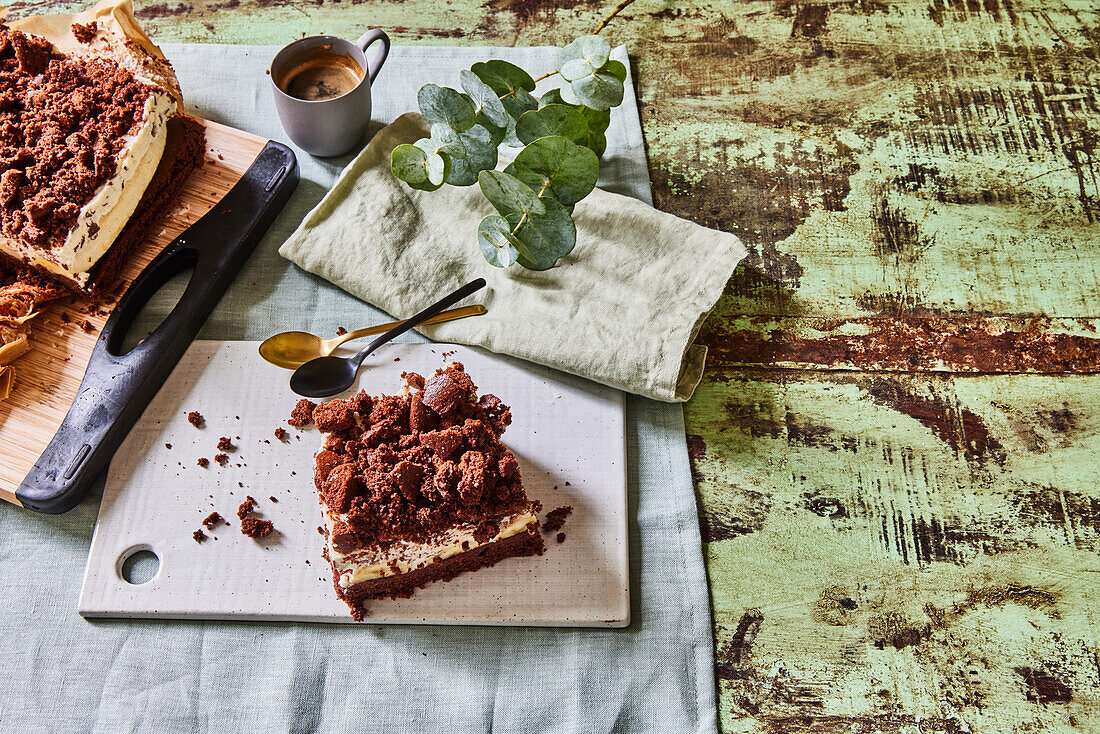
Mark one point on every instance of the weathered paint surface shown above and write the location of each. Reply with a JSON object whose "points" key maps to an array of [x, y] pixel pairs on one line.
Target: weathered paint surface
{"points": [[895, 445]]}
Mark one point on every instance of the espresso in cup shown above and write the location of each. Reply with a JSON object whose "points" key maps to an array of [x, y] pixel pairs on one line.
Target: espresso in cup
{"points": [[322, 90], [321, 75]]}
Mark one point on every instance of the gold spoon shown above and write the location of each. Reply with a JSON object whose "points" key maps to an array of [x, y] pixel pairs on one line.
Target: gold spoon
{"points": [[292, 349]]}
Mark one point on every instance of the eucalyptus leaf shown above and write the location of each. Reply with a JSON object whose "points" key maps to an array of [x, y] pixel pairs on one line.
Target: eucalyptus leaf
{"points": [[583, 57], [556, 119], [601, 90], [418, 168], [557, 166], [552, 96], [481, 154], [545, 237], [597, 142], [498, 244], [484, 98], [447, 106], [496, 132], [447, 140], [516, 106], [509, 195], [597, 120], [617, 69], [503, 77]]}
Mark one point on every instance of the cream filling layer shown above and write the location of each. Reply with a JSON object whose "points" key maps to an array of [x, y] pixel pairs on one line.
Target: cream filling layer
{"points": [[405, 556], [112, 205]]}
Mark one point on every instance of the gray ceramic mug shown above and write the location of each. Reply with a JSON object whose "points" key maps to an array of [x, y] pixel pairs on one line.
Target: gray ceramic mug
{"points": [[336, 124]]}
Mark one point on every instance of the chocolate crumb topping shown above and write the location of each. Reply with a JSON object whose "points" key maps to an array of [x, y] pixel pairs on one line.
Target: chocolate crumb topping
{"points": [[225, 444], [302, 415], [212, 519], [203, 461], [199, 536], [85, 33], [63, 123], [560, 537], [280, 433], [222, 459], [195, 418], [402, 467]]}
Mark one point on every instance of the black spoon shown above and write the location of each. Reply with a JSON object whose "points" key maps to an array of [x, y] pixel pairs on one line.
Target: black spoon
{"points": [[325, 376]]}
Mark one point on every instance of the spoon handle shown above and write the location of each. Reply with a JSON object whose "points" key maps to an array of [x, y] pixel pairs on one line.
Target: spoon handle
{"points": [[452, 315], [420, 318]]}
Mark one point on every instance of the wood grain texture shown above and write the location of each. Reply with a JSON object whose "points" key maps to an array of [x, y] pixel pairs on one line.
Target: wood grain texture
{"points": [[894, 443], [63, 337]]}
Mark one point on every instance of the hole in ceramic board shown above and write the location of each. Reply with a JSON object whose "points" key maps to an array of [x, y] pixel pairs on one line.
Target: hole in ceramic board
{"points": [[140, 566]]}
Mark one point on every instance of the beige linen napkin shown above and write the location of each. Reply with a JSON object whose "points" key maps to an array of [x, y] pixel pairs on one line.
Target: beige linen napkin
{"points": [[621, 309]]}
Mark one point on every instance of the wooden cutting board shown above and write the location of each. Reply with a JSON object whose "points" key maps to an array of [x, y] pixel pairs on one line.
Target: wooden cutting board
{"points": [[47, 377], [566, 432]]}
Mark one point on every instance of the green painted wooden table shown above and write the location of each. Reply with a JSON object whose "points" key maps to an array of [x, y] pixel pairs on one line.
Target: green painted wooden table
{"points": [[897, 443]]}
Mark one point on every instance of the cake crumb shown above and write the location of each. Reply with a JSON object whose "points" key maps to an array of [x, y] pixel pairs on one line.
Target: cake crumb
{"points": [[225, 444], [340, 331], [212, 519], [199, 536], [195, 418], [555, 519], [302, 415], [254, 527], [203, 461], [272, 498], [246, 507], [87, 327], [560, 537], [222, 459], [280, 433], [168, 446]]}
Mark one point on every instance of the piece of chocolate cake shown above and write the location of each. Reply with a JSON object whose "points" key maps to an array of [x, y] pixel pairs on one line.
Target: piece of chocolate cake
{"points": [[81, 141], [418, 487]]}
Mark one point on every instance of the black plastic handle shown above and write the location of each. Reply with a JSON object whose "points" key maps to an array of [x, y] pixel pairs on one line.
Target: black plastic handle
{"points": [[116, 386]]}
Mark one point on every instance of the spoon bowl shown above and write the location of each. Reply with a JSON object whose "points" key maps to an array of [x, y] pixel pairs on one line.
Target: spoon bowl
{"points": [[292, 348], [324, 376]]}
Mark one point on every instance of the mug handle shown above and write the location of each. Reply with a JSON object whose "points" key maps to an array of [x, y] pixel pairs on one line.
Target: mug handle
{"points": [[375, 61]]}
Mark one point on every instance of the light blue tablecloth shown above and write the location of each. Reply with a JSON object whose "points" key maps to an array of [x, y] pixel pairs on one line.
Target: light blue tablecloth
{"points": [[64, 674]]}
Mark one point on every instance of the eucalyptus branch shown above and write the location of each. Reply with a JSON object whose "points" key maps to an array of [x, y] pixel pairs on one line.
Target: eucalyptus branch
{"points": [[561, 135], [605, 21], [523, 219]]}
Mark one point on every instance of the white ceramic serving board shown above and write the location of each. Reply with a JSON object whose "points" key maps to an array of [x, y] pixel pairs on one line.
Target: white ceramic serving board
{"points": [[567, 433]]}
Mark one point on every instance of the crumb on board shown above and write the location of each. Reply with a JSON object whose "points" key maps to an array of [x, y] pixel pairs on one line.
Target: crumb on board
{"points": [[213, 519], [195, 418], [203, 461], [225, 444], [560, 537], [280, 433], [222, 459], [246, 507], [254, 527], [555, 519], [199, 536]]}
